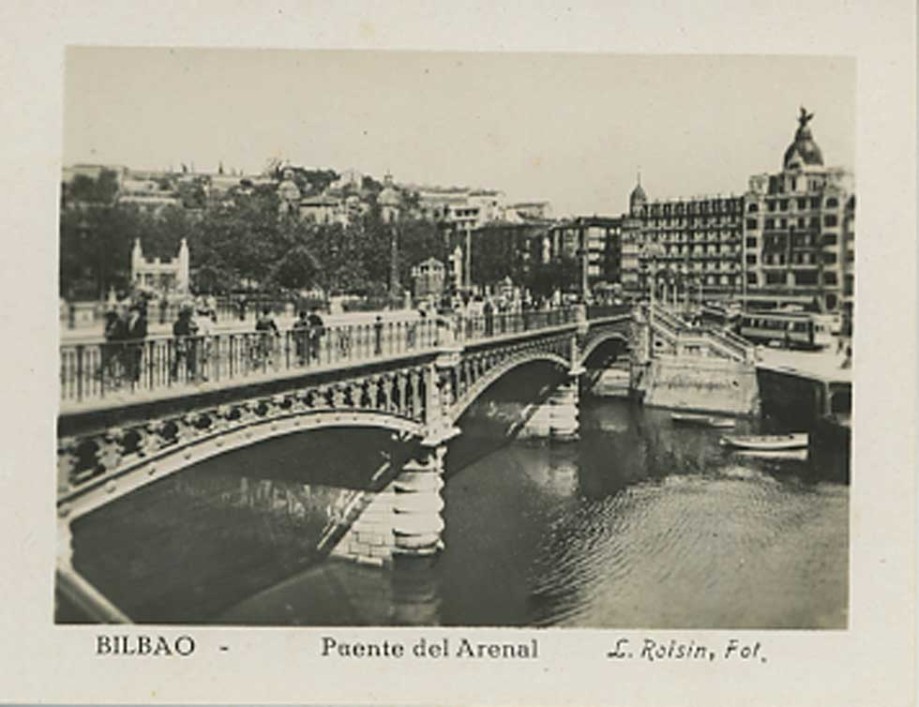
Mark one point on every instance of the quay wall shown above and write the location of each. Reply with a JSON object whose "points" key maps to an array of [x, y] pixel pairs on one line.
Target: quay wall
{"points": [[701, 383]]}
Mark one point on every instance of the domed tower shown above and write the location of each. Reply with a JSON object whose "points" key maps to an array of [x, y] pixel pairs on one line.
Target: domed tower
{"points": [[288, 193], [803, 152], [390, 200], [637, 198]]}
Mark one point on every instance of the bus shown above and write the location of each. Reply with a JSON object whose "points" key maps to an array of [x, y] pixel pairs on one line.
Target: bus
{"points": [[793, 330]]}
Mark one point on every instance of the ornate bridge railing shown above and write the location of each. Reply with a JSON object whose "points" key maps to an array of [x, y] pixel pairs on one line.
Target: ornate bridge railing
{"points": [[385, 379], [90, 373]]}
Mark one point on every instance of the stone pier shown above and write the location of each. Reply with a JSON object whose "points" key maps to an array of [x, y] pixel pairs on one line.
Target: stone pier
{"points": [[404, 518], [557, 418], [417, 503], [370, 539]]}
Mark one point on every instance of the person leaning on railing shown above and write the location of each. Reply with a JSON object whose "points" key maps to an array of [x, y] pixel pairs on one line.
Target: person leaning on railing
{"points": [[204, 325], [300, 331], [268, 333], [185, 330], [135, 331], [316, 332], [114, 332]]}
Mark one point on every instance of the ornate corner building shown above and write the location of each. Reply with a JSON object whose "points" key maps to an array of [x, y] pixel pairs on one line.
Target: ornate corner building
{"points": [[799, 234], [789, 240]]}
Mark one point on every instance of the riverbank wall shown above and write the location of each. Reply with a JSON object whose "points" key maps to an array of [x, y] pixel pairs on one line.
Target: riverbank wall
{"points": [[700, 383]]}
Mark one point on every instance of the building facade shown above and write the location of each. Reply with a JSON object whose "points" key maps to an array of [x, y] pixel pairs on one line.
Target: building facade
{"points": [[788, 241], [691, 248], [596, 243], [162, 277], [429, 279], [799, 233]]}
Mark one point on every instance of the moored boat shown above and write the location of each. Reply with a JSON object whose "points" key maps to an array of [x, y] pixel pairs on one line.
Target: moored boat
{"points": [[688, 418], [794, 440], [779, 454]]}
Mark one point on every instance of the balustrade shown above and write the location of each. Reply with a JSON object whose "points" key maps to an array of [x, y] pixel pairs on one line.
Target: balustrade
{"points": [[96, 371]]}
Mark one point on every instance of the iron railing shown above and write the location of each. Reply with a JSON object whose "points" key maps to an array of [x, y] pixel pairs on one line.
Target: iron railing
{"points": [[95, 371]]}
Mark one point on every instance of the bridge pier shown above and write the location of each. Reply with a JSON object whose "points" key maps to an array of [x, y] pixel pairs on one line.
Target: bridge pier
{"points": [[557, 417], [417, 504], [404, 518]]}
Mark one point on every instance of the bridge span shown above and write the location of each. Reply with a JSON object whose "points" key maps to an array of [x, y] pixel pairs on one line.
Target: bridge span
{"points": [[177, 403]]}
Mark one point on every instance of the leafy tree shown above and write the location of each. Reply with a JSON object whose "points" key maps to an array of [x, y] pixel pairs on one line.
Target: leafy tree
{"points": [[418, 241], [562, 274], [297, 269], [192, 193], [101, 190]]}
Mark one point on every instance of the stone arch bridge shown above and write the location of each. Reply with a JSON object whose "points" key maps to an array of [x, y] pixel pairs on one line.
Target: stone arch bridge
{"points": [[415, 383]]}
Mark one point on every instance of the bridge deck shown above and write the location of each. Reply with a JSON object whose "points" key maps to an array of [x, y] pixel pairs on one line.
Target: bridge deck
{"points": [[101, 377]]}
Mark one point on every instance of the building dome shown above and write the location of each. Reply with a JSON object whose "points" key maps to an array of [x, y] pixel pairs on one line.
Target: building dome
{"points": [[638, 197], [803, 152], [390, 195]]}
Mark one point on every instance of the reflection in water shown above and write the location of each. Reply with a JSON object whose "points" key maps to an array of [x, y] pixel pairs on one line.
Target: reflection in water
{"points": [[640, 524]]}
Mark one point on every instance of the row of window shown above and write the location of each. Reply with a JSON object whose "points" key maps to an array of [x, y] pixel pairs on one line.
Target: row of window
{"points": [[794, 259], [714, 280], [778, 185], [699, 251], [716, 206], [789, 279], [800, 240], [796, 240], [829, 221], [801, 203]]}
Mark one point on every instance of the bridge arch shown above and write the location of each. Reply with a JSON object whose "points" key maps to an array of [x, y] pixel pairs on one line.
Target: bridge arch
{"points": [[136, 471], [599, 340], [499, 371]]}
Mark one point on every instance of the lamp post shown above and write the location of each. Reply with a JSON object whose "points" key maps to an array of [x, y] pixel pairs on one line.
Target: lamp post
{"points": [[394, 262], [469, 257], [652, 251]]}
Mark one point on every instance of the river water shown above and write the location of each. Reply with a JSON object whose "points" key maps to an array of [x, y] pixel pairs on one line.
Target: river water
{"points": [[640, 524]]}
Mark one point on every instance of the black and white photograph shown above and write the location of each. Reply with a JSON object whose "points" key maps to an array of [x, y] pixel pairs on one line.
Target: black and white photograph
{"points": [[459, 353], [390, 338]]}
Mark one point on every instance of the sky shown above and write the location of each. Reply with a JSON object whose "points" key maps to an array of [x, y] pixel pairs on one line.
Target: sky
{"points": [[572, 129]]}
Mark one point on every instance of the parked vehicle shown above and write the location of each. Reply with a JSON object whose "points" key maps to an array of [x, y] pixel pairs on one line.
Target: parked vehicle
{"points": [[801, 330]]}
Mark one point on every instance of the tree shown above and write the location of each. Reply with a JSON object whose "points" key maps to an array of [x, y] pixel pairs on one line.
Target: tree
{"points": [[502, 251], [559, 274], [298, 269], [418, 241], [101, 190]]}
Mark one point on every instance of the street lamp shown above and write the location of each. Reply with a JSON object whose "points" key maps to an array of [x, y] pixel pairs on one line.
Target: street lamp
{"points": [[652, 251], [393, 263]]}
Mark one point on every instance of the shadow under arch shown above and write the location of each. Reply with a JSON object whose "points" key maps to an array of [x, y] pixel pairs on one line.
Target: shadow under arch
{"points": [[137, 472], [478, 388]]}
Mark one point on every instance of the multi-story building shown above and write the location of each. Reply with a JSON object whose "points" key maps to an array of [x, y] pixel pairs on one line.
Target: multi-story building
{"points": [[528, 210], [691, 247], [595, 241], [163, 277], [799, 234], [503, 249], [789, 241], [459, 208]]}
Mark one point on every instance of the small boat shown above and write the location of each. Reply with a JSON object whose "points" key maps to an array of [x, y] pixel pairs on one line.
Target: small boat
{"points": [[766, 443], [781, 454], [688, 418]]}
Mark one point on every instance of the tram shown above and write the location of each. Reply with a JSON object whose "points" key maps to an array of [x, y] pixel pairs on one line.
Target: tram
{"points": [[792, 330], [720, 316]]}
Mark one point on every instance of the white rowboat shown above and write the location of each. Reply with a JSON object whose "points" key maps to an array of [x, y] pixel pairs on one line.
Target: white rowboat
{"points": [[795, 440]]}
